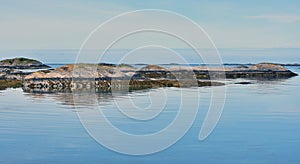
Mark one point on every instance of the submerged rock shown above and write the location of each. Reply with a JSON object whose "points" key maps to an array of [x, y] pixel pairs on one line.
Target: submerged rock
{"points": [[244, 82]]}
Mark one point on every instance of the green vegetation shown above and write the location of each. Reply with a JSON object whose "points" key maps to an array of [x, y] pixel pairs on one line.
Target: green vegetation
{"points": [[125, 65], [26, 59], [136, 84], [18, 61], [10, 84]]}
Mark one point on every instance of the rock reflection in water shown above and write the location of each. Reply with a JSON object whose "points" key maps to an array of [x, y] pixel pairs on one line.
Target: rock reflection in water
{"points": [[79, 98]]}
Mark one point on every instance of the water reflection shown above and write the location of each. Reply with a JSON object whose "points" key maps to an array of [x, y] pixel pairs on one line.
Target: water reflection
{"points": [[81, 98], [92, 97]]}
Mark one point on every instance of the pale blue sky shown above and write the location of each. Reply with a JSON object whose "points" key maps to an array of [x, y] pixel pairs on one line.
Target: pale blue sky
{"points": [[55, 24]]}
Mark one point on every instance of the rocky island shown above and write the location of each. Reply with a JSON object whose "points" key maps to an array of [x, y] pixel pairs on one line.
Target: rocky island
{"points": [[11, 73], [106, 77], [22, 63]]}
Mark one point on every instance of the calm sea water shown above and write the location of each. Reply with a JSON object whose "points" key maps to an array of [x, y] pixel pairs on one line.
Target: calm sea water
{"points": [[260, 122], [159, 56]]}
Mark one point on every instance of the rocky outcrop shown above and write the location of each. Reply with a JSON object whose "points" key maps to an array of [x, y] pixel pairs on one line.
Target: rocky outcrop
{"points": [[10, 78], [11, 73], [262, 71], [106, 77], [12, 68], [268, 67], [22, 63]]}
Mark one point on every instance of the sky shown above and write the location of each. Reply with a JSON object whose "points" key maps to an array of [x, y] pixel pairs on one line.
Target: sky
{"points": [[55, 24]]}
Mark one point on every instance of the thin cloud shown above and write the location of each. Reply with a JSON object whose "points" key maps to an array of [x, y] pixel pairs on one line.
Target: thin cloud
{"points": [[277, 18]]}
